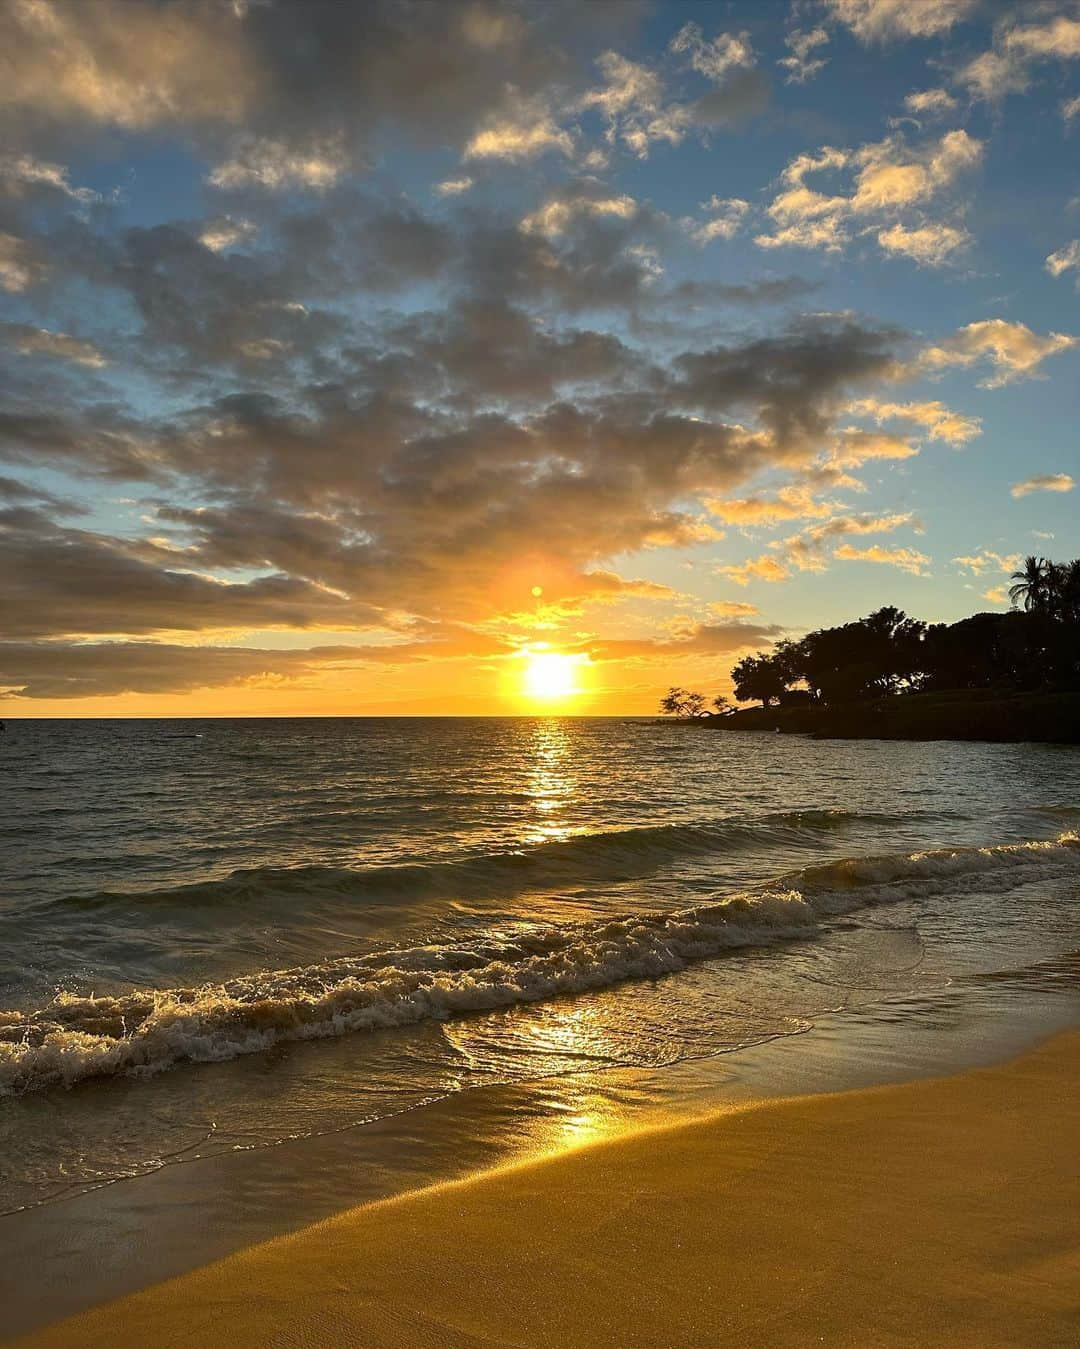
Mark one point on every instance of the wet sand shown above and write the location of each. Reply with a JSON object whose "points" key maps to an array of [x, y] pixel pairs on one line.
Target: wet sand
{"points": [[941, 1211]]}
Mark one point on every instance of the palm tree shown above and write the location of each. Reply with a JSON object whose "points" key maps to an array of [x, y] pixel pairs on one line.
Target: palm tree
{"points": [[1069, 596], [1056, 575], [1030, 584]]}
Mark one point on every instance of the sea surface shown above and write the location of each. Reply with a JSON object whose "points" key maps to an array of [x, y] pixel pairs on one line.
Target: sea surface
{"points": [[225, 935]]}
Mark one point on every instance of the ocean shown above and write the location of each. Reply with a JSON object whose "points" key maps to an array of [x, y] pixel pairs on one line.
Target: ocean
{"points": [[220, 937]]}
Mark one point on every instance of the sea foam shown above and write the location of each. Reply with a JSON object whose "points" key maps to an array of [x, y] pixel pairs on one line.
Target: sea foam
{"points": [[145, 1031]]}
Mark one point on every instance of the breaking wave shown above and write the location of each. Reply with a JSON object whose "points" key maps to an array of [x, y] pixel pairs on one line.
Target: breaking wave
{"points": [[146, 1031]]}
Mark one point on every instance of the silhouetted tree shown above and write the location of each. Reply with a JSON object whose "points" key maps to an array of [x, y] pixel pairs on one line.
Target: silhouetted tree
{"points": [[1029, 587], [672, 702], [1034, 646], [680, 702], [760, 678]]}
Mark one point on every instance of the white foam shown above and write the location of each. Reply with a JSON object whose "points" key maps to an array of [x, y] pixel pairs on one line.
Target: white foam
{"points": [[146, 1031]]}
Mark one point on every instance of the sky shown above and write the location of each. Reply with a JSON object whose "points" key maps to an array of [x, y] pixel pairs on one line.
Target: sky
{"points": [[497, 357]]}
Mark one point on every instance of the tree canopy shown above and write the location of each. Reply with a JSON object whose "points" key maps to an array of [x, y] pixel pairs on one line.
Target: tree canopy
{"points": [[1035, 646]]}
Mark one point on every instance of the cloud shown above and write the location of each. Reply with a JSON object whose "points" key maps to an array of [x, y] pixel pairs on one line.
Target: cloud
{"points": [[1043, 482], [633, 101], [64, 581], [224, 232], [930, 103], [940, 422], [763, 568], [854, 447], [793, 502], [802, 65], [713, 59], [118, 64], [1014, 351], [791, 381], [727, 216], [1006, 68], [454, 187], [22, 175], [766, 290], [987, 560], [29, 341], [893, 175], [885, 20], [826, 234], [806, 550], [69, 670], [11, 489], [907, 559], [1065, 259], [361, 399], [1060, 38], [696, 639], [586, 197], [519, 137], [20, 268], [888, 178], [275, 165], [1070, 108], [277, 93], [929, 245], [408, 492]]}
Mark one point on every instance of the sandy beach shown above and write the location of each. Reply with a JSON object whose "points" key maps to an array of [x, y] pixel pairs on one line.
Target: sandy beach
{"points": [[941, 1211]]}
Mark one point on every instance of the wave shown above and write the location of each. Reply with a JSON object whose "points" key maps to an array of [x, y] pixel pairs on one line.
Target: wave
{"points": [[615, 854], [146, 1031]]}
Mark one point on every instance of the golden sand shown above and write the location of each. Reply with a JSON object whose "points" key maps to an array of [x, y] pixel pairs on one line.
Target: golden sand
{"points": [[935, 1213]]}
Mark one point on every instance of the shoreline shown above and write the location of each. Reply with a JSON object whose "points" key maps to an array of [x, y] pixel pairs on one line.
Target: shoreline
{"points": [[978, 715], [940, 1210]]}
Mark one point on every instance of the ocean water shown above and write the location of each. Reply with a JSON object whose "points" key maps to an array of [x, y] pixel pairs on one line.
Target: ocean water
{"points": [[217, 936]]}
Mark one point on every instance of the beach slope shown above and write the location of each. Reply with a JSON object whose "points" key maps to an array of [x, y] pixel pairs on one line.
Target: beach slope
{"points": [[936, 1212]]}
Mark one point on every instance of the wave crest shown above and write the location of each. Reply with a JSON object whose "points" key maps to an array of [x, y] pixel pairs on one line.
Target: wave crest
{"points": [[146, 1031], [617, 853]]}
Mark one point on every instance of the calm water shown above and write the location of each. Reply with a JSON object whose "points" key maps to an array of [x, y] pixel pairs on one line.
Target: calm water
{"points": [[350, 918]]}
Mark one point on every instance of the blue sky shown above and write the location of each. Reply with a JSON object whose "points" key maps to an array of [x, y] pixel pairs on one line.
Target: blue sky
{"points": [[352, 352]]}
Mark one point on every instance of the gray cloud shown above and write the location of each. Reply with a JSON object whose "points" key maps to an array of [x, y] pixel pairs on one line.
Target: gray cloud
{"points": [[302, 76], [339, 407], [60, 580], [419, 500]]}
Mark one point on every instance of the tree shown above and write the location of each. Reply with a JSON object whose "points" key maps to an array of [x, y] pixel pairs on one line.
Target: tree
{"points": [[673, 702], [680, 702], [759, 677], [1035, 646], [695, 705], [1029, 586], [721, 705], [1069, 606]]}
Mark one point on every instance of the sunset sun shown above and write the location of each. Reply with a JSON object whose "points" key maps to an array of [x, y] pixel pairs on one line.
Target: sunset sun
{"points": [[549, 675]]}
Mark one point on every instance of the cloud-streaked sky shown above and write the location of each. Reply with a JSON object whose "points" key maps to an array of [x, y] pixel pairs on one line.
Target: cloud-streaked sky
{"points": [[350, 352]]}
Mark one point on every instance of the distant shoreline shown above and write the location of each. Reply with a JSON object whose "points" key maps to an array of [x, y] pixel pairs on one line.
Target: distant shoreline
{"points": [[975, 714]]}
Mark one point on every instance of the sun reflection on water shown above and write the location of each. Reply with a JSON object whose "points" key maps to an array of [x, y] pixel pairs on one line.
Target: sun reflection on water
{"points": [[551, 780]]}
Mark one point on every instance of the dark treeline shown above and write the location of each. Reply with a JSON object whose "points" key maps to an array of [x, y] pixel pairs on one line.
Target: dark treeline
{"points": [[1034, 648]]}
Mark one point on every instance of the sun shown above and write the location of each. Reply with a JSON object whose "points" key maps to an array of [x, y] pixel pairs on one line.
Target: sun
{"points": [[550, 675]]}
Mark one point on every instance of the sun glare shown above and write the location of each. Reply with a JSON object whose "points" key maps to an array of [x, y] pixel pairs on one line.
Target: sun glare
{"points": [[549, 675]]}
